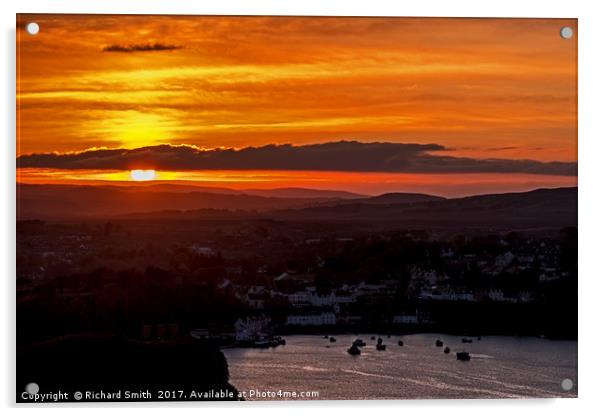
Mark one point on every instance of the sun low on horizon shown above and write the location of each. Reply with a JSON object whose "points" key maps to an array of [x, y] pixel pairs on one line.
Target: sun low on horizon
{"points": [[142, 175], [445, 106]]}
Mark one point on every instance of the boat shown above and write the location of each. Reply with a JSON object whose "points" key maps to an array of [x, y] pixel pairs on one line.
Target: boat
{"points": [[466, 341], [280, 341], [354, 350], [381, 347], [379, 341], [262, 343], [359, 343], [372, 337], [332, 339], [479, 338], [400, 343], [463, 356], [438, 343], [325, 336], [446, 350]]}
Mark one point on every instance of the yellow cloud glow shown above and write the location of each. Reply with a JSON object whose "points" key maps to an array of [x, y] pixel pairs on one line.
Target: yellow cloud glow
{"points": [[143, 175]]}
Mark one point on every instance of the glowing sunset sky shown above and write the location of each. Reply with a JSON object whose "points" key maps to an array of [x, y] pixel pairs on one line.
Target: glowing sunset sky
{"points": [[474, 89]]}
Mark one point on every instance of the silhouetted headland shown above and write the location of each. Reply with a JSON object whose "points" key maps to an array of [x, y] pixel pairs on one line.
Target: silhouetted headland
{"points": [[110, 364]]}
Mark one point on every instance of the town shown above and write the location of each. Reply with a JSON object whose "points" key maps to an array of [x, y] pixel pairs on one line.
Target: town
{"points": [[240, 283]]}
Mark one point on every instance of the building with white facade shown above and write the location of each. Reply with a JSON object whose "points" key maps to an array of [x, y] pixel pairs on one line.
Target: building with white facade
{"points": [[312, 319], [406, 319]]}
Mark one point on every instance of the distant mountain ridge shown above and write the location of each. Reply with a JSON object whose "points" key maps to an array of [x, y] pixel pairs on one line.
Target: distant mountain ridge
{"points": [[555, 207], [302, 193], [395, 198], [538, 208], [73, 201], [287, 192]]}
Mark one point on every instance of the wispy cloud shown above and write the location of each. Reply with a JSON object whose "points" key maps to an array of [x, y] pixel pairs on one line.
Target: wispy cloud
{"points": [[147, 47]]}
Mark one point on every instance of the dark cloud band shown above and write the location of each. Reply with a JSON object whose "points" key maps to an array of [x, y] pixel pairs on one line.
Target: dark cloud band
{"points": [[147, 47], [350, 156]]}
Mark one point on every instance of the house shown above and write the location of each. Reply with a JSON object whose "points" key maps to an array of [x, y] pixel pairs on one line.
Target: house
{"points": [[326, 318], [447, 253], [251, 328], [525, 259], [406, 319], [504, 260], [201, 251], [496, 295], [544, 277], [310, 297], [257, 297], [299, 299], [447, 295], [465, 296]]}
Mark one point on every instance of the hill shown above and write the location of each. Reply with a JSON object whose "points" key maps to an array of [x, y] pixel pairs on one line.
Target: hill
{"points": [[78, 202], [540, 208], [394, 198]]}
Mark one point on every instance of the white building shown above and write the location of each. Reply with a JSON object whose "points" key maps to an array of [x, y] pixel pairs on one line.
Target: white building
{"points": [[310, 297], [250, 329], [405, 319], [312, 319], [496, 295], [299, 299], [447, 295]]}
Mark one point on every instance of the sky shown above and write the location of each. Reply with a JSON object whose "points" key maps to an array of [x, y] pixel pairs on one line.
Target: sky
{"points": [[446, 106]]}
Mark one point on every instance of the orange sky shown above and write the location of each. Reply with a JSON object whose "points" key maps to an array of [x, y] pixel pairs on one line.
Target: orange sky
{"points": [[484, 88]]}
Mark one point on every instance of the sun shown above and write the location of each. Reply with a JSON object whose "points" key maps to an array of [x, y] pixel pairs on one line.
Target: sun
{"points": [[142, 175]]}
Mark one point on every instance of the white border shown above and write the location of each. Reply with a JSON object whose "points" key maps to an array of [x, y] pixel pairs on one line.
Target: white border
{"points": [[590, 209]]}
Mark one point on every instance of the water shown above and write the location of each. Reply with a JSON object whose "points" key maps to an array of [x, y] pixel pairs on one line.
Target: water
{"points": [[500, 367]]}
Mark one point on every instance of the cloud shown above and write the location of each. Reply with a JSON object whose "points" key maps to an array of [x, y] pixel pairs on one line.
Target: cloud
{"points": [[499, 149], [146, 47], [349, 156]]}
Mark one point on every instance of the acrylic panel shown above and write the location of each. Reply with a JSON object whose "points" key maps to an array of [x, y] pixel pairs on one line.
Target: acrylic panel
{"points": [[295, 208]]}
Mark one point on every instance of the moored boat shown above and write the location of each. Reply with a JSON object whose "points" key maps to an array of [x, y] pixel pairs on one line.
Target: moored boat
{"points": [[463, 356], [466, 341], [262, 343], [354, 350], [332, 339], [359, 343], [438, 343], [381, 347], [446, 350], [400, 343]]}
